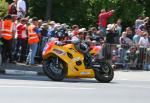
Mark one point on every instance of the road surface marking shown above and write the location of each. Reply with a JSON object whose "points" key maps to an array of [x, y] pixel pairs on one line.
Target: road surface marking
{"points": [[44, 87], [133, 80]]}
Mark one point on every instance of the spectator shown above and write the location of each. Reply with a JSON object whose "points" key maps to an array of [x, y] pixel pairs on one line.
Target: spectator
{"points": [[144, 42], [7, 33], [132, 57], [140, 21], [102, 20], [44, 29], [75, 30], [40, 23], [129, 33], [143, 27], [110, 34], [80, 36], [124, 40], [101, 37], [118, 29], [93, 31], [21, 41], [21, 8], [44, 38], [33, 39], [12, 8], [137, 36], [148, 27], [88, 38], [51, 29]]}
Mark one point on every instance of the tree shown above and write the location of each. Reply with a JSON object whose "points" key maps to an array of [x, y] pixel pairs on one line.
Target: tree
{"points": [[146, 6], [49, 9], [3, 8], [85, 12], [37, 8]]}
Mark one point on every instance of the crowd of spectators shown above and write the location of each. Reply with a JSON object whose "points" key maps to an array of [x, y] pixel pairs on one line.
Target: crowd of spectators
{"points": [[18, 48]]}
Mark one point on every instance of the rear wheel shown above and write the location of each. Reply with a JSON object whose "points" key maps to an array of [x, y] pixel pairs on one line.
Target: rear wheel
{"points": [[105, 74], [54, 68]]}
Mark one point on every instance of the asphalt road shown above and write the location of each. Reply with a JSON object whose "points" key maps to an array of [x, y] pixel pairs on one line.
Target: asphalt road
{"points": [[127, 87]]}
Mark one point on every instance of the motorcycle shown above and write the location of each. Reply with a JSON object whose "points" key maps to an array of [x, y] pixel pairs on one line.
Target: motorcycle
{"points": [[60, 61]]}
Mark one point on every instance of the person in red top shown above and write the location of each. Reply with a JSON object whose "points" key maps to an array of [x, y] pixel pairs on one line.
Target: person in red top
{"points": [[102, 20], [21, 41], [12, 8]]}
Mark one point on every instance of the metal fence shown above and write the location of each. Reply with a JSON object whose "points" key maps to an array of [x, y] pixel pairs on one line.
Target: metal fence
{"points": [[127, 56]]}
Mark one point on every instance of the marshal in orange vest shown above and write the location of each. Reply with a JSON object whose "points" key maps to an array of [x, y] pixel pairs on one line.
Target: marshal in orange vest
{"points": [[33, 36], [7, 28]]}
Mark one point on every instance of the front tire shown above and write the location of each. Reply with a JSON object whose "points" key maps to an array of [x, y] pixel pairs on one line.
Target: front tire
{"points": [[105, 73], [54, 68]]}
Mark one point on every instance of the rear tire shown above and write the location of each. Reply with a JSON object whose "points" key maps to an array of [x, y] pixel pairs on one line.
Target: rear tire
{"points": [[106, 73], [54, 68]]}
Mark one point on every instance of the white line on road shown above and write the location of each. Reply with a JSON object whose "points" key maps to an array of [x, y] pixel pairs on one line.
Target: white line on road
{"points": [[73, 87], [44, 87], [132, 86], [144, 80]]}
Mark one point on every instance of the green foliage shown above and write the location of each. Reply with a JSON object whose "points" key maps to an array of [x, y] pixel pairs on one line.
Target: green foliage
{"points": [[9, 1], [37, 8], [85, 12], [3, 8]]}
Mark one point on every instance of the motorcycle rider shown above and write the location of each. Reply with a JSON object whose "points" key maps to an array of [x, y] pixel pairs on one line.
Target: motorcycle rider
{"points": [[61, 35], [82, 45], [79, 41]]}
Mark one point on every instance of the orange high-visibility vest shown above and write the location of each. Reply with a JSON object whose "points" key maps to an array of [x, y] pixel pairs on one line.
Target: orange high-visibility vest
{"points": [[7, 28], [33, 36]]}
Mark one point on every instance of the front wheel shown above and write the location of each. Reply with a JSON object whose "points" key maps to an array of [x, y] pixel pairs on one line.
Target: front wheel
{"points": [[54, 68], [105, 73]]}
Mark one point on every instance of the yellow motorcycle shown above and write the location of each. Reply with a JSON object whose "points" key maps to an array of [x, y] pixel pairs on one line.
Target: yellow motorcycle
{"points": [[60, 61]]}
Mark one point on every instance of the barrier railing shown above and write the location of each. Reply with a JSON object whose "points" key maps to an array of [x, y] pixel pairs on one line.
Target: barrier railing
{"points": [[127, 56]]}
